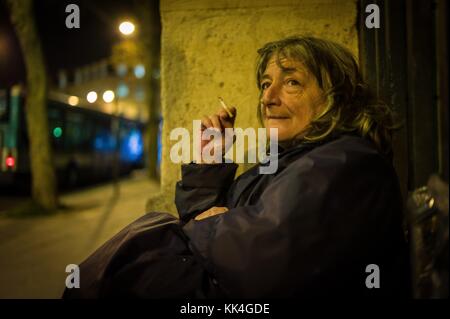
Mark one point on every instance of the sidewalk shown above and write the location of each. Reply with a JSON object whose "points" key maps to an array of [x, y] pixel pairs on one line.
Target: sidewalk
{"points": [[34, 252]]}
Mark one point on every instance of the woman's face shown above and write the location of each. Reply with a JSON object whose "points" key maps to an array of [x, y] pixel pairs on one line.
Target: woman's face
{"points": [[290, 98]]}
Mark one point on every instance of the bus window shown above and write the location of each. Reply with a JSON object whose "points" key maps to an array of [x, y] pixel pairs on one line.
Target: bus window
{"points": [[103, 141], [78, 131]]}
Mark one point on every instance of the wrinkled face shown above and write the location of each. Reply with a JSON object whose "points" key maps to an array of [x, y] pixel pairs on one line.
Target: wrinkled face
{"points": [[290, 97]]}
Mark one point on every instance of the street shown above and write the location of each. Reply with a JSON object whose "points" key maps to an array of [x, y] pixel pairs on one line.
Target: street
{"points": [[35, 251]]}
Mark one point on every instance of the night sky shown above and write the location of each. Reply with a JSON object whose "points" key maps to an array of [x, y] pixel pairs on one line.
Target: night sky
{"points": [[63, 48]]}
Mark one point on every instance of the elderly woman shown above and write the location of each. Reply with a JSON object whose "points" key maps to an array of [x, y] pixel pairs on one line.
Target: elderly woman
{"points": [[327, 222]]}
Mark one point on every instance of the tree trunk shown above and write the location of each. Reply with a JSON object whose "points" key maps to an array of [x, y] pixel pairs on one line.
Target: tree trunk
{"points": [[42, 171]]}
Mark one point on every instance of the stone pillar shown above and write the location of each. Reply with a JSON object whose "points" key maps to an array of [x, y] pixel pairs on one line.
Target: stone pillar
{"points": [[209, 50]]}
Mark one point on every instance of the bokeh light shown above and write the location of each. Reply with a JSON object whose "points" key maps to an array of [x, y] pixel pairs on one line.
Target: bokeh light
{"points": [[126, 28], [91, 97], [73, 100], [108, 96]]}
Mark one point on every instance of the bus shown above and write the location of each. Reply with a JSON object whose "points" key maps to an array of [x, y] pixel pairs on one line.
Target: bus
{"points": [[86, 144]]}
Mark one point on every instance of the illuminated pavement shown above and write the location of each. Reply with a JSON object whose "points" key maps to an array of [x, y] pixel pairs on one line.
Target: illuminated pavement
{"points": [[34, 252]]}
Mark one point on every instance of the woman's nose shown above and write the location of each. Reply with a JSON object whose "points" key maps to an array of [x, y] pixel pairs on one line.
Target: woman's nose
{"points": [[271, 96]]}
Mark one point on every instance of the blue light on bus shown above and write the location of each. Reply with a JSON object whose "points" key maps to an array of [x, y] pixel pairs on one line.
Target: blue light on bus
{"points": [[132, 147], [159, 142]]}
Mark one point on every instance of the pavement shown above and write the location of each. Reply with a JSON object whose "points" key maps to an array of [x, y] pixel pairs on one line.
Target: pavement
{"points": [[35, 251]]}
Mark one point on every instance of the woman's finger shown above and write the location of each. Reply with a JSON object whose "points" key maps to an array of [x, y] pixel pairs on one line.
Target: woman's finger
{"points": [[216, 122], [222, 114], [218, 210], [206, 122], [211, 212], [225, 118]]}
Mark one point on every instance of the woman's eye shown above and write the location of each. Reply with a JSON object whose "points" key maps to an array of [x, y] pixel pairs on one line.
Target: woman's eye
{"points": [[292, 82], [264, 85]]}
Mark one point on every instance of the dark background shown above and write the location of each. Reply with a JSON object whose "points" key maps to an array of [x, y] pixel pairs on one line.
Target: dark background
{"points": [[63, 47]]}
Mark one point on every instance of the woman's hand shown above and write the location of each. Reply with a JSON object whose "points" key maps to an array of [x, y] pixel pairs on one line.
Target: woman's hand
{"points": [[217, 122], [211, 212]]}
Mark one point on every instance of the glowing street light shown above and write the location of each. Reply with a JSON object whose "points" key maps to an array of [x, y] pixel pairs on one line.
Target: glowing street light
{"points": [[73, 100], [126, 28], [108, 96], [91, 97]]}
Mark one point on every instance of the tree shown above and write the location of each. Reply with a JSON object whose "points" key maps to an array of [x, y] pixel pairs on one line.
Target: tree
{"points": [[42, 171]]}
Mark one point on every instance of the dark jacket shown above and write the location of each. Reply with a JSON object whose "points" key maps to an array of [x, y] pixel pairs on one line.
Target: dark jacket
{"points": [[312, 228]]}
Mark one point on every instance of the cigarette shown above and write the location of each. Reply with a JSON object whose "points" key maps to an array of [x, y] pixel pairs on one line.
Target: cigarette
{"points": [[225, 107]]}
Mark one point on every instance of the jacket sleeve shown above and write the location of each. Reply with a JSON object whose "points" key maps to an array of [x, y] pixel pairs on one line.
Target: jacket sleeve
{"points": [[201, 187], [318, 216]]}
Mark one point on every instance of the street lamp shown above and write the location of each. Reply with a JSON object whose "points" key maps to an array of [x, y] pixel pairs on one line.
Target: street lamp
{"points": [[73, 100], [108, 96], [91, 97], [126, 28]]}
